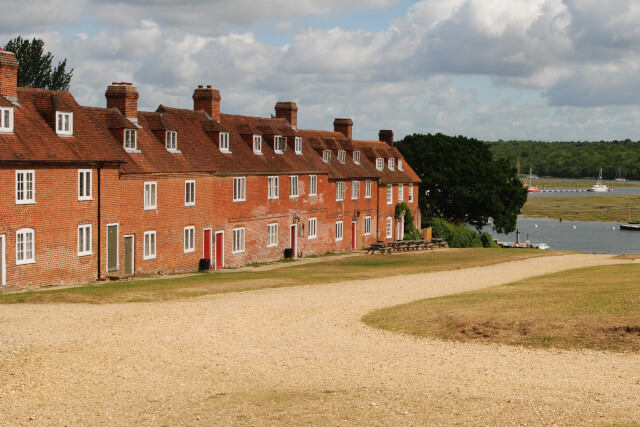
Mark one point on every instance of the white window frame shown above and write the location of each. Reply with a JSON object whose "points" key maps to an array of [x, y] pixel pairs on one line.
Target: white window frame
{"points": [[355, 190], [391, 163], [389, 227], [379, 163], [23, 254], [27, 194], [313, 228], [150, 195], [272, 235], [277, 144], [238, 240], [85, 237], [150, 244], [171, 141], [367, 189], [293, 186], [356, 157], [64, 123], [390, 194], [400, 165], [410, 193], [190, 194], [189, 239], [273, 187], [130, 142], [257, 144], [326, 156], [339, 231], [400, 192], [298, 145], [367, 225], [340, 191], [313, 185], [342, 156], [239, 188], [6, 119], [223, 141], [85, 184]]}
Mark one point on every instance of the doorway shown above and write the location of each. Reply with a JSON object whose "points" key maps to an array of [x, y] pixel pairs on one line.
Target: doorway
{"points": [[129, 254], [353, 236], [294, 240], [219, 250], [112, 247]]}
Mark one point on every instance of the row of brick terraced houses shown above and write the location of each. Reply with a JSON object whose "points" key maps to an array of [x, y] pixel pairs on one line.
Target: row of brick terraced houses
{"points": [[87, 193]]}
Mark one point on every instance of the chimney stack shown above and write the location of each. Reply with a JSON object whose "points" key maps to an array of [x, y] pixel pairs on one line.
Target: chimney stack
{"points": [[344, 126], [386, 136], [208, 100], [124, 97], [8, 75], [288, 111]]}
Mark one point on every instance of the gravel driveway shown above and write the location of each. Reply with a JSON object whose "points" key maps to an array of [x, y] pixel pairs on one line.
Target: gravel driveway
{"points": [[298, 356]]}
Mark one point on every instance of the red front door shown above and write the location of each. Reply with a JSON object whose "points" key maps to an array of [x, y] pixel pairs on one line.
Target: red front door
{"points": [[207, 244], [293, 240], [353, 236], [219, 250]]}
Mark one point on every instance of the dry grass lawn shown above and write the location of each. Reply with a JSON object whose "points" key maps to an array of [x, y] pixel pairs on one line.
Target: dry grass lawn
{"points": [[608, 207]]}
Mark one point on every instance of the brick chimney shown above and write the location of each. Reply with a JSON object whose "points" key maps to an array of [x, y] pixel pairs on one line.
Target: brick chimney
{"points": [[288, 111], [207, 99], [124, 97], [344, 126], [386, 136], [8, 74]]}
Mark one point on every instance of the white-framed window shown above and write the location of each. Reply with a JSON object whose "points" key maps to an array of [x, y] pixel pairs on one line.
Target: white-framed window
{"points": [[171, 141], [150, 193], [84, 240], [326, 156], [338, 230], [389, 227], [84, 184], [238, 240], [277, 144], [340, 190], [356, 157], [342, 156], [391, 163], [389, 194], [313, 185], [130, 140], [313, 228], [400, 192], [190, 239], [149, 245], [367, 189], [64, 123], [379, 163], [355, 190], [367, 225], [272, 187], [190, 192], [400, 164], [410, 192], [298, 145], [272, 235], [224, 142], [293, 186], [257, 144], [6, 119], [239, 189], [25, 246], [25, 187]]}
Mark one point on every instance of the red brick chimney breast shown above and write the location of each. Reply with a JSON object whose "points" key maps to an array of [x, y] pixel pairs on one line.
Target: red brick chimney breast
{"points": [[288, 111], [344, 126], [207, 99], [124, 97], [386, 136], [8, 74]]}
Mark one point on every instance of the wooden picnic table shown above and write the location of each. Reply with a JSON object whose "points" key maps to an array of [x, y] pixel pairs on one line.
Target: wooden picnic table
{"points": [[403, 245]]}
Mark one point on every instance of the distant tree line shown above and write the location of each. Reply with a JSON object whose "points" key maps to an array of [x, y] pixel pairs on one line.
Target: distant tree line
{"points": [[573, 159]]}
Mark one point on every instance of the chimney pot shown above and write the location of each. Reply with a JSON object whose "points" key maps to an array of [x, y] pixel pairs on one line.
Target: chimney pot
{"points": [[200, 86], [344, 126], [288, 111], [208, 86]]}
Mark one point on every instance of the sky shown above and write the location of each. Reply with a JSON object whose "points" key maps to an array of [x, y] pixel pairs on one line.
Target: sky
{"points": [[551, 70]]}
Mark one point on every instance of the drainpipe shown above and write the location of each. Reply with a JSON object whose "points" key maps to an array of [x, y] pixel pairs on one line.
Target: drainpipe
{"points": [[99, 225]]}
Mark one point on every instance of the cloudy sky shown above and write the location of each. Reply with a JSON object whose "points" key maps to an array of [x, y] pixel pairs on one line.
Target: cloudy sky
{"points": [[490, 69]]}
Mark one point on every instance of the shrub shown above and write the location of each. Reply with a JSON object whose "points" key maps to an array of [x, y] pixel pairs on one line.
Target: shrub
{"points": [[458, 236], [487, 240]]}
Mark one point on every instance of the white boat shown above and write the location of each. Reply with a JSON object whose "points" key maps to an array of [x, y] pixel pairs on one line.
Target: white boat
{"points": [[599, 187], [619, 177]]}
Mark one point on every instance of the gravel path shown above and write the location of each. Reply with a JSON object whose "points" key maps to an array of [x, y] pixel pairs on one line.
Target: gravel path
{"points": [[298, 356]]}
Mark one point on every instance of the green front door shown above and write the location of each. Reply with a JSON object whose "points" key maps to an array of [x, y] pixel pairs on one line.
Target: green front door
{"points": [[112, 247], [128, 255]]}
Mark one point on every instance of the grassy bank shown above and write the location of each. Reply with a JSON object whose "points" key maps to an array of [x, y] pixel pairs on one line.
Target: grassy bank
{"points": [[584, 208], [293, 274], [580, 184], [596, 308]]}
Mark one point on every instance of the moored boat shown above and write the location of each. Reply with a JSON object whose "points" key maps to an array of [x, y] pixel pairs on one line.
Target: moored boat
{"points": [[599, 187]]}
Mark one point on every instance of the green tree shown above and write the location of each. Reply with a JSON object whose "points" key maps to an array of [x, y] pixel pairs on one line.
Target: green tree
{"points": [[35, 68], [462, 182]]}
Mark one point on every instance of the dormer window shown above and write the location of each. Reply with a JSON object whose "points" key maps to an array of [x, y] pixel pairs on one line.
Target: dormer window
{"points": [[342, 155], [379, 163], [277, 144], [298, 143], [224, 142], [356, 157], [6, 119], [257, 144], [130, 140], [392, 164], [172, 141], [326, 156], [400, 164], [64, 123]]}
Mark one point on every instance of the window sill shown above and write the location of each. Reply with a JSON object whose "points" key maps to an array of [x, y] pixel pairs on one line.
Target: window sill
{"points": [[85, 254], [190, 204], [312, 237], [28, 202], [27, 261], [84, 199], [225, 151], [258, 153], [132, 151], [174, 151], [150, 208], [189, 251], [237, 252], [148, 258]]}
